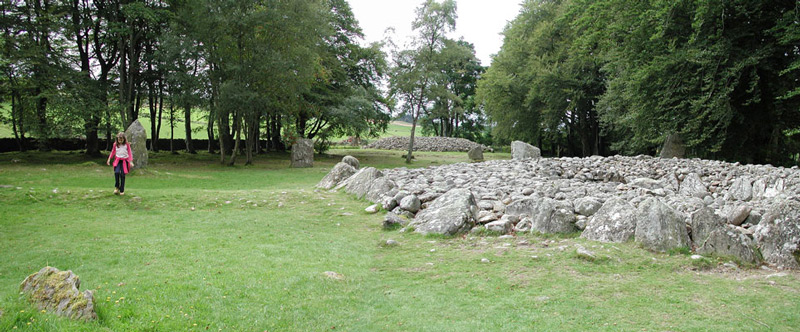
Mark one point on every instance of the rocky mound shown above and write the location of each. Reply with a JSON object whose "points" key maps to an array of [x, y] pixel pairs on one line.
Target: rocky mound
{"points": [[438, 144], [751, 212]]}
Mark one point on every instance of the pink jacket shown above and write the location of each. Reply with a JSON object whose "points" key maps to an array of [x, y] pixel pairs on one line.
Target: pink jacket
{"points": [[116, 160]]}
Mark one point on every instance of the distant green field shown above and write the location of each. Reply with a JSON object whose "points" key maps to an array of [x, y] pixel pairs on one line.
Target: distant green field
{"points": [[396, 128]]}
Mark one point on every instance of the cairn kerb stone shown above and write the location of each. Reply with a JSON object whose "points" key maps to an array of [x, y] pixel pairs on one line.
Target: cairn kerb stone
{"points": [[137, 137], [453, 212], [659, 227], [303, 153], [54, 290], [360, 183], [338, 173], [615, 221], [778, 235], [547, 215]]}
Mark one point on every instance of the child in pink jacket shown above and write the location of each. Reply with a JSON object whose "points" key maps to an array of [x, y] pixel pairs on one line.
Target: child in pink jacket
{"points": [[122, 157]]}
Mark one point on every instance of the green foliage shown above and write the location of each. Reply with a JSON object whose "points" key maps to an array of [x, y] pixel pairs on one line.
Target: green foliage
{"points": [[586, 77]]}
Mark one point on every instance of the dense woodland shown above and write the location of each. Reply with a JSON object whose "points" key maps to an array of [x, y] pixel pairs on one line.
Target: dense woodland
{"points": [[575, 77]]}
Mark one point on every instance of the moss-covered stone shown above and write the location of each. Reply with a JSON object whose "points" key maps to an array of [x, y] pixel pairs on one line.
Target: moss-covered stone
{"points": [[54, 290]]}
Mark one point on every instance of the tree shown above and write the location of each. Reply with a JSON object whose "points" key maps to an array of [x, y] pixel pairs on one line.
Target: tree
{"points": [[414, 72]]}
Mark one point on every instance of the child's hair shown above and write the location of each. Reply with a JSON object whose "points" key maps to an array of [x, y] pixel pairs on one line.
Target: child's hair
{"points": [[121, 134]]}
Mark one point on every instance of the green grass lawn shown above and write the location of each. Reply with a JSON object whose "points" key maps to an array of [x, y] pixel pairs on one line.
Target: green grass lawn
{"points": [[197, 246]]}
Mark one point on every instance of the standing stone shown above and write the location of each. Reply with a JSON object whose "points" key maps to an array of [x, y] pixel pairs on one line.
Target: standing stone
{"points": [[475, 154], [352, 161], [339, 173], [659, 227], [614, 222], [453, 212], [54, 290], [521, 150], [138, 140], [673, 147], [303, 153]]}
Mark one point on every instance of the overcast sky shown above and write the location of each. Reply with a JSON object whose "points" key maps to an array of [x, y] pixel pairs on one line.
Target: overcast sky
{"points": [[480, 22]]}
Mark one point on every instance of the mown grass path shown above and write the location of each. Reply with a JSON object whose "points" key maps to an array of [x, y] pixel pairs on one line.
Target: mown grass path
{"points": [[197, 246]]}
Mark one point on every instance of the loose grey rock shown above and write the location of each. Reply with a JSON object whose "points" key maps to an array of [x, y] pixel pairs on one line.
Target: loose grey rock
{"points": [[137, 137], [614, 222], [372, 209], [742, 189], [521, 150], [659, 227], [391, 220], [352, 161], [693, 186], [451, 213], [303, 153], [587, 206], [738, 215], [410, 203], [54, 290], [502, 226], [391, 243], [339, 173], [582, 252]]}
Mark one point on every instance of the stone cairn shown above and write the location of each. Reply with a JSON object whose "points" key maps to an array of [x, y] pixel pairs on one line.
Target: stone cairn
{"points": [[55, 290], [437, 144], [751, 212], [137, 137]]}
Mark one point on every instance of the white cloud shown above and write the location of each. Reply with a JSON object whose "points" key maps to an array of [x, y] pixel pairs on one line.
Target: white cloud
{"points": [[480, 22]]}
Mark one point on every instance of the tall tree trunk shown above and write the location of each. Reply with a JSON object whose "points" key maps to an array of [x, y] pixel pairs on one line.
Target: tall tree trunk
{"points": [[237, 125], [187, 112], [16, 120]]}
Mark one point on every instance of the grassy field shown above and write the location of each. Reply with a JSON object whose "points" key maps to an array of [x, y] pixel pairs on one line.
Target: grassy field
{"points": [[196, 246]]}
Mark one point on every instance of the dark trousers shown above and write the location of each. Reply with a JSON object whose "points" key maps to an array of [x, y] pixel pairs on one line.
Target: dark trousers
{"points": [[119, 176]]}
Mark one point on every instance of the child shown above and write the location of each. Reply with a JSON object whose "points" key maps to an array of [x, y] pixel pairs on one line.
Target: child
{"points": [[122, 153]]}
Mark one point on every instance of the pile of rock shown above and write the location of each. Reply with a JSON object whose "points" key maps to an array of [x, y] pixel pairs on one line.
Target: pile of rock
{"points": [[748, 211], [438, 144]]}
